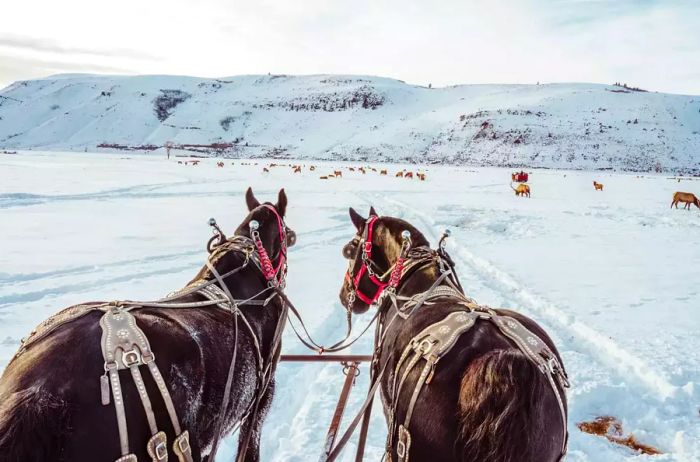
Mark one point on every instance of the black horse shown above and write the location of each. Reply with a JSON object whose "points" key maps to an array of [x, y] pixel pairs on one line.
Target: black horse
{"points": [[50, 407], [485, 400]]}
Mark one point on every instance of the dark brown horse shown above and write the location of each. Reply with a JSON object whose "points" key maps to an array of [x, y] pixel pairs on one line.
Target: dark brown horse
{"points": [[50, 407], [485, 400]]}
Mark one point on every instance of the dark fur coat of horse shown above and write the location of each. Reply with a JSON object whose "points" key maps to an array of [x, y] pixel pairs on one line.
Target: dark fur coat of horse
{"points": [[50, 407], [486, 402]]}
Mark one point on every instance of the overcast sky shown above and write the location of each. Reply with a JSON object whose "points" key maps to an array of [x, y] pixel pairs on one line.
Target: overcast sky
{"points": [[646, 43]]}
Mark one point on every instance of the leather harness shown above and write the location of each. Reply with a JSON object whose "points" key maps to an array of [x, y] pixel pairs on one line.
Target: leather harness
{"points": [[436, 340], [125, 346]]}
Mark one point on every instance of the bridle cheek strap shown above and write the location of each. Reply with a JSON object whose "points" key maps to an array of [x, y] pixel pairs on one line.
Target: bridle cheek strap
{"points": [[394, 279], [269, 271]]}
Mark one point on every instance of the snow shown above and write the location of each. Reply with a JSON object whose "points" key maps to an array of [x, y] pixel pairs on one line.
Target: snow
{"points": [[570, 126], [611, 275]]}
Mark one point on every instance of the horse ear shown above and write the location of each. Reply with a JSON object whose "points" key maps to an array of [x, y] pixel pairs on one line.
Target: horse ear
{"points": [[372, 211], [281, 202], [250, 199], [357, 220]]}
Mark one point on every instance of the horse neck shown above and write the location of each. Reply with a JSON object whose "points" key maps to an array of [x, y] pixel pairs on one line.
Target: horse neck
{"points": [[248, 283]]}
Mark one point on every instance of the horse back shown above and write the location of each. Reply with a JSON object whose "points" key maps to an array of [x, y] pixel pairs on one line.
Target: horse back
{"points": [[192, 349], [436, 418]]}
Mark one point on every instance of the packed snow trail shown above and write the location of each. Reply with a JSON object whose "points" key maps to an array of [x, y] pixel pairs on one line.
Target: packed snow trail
{"points": [[609, 275]]}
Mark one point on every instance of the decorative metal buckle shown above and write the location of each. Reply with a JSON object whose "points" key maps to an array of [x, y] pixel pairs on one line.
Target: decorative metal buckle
{"points": [[161, 451], [184, 443], [401, 449], [131, 357], [404, 444]]}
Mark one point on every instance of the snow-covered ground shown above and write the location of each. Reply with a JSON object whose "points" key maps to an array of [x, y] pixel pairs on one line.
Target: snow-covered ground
{"points": [[567, 125], [612, 275]]}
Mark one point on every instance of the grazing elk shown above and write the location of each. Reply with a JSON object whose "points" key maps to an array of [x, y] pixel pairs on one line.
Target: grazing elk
{"points": [[408, 175], [383, 172], [522, 190], [337, 173], [598, 186], [399, 175], [220, 164], [687, 198]]}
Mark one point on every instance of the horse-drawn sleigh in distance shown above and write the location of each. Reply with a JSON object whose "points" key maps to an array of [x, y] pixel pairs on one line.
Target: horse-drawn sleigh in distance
{"points": [[457, 380], [519, 177]]}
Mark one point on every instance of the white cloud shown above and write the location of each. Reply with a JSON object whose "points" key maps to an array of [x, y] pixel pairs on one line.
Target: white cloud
{"points": [[651, 44]]}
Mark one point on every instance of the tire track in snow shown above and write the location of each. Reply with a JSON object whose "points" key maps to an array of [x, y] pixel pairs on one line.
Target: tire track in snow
{"points": [[597, 344]]}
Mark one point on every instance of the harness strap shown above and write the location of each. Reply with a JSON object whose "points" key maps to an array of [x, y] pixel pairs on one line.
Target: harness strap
{"points": [[157, 446], [355, 422], [121, 413], [232, 366], [145, 400]]}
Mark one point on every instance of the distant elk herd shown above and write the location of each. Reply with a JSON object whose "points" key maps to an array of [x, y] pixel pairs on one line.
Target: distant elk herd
{"points": [[522, 189]]}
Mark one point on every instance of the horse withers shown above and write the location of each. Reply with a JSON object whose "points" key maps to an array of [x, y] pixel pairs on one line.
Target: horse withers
{"points": [[458, 381], [163, 366]]}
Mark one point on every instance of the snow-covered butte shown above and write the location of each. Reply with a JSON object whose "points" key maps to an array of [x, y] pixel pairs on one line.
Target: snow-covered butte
{"points": [[573, 126]]}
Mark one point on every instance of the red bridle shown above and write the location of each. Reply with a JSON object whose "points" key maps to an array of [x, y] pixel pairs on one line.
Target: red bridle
{"points": [[272, 273], [365, 268]]}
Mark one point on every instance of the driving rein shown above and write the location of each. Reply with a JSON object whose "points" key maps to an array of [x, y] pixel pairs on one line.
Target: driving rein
{"points": [[125, 346]]}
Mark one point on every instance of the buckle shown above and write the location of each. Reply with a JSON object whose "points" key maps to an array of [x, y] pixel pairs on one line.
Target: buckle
{"points": [[183, 443], [425, 346], [161, 451], [110, 365], [401, 449], [404, 444], [158, 447], [131, 357]]}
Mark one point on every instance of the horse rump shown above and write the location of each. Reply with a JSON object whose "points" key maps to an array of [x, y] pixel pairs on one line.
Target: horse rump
{"points": [[31, 424], [501, 411]]}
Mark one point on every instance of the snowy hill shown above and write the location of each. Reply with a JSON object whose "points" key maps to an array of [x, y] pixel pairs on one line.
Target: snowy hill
{"points": [[583, 126]]}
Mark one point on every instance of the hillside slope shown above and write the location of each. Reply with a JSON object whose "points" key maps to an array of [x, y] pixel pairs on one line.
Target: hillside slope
{"points": [[586, 126]]}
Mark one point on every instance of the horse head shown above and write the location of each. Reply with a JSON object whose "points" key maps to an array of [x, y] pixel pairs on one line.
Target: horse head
{"points": [[265, 228], [372, 255]]}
